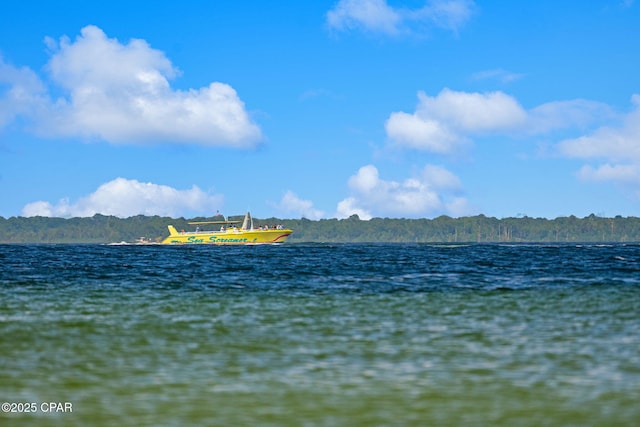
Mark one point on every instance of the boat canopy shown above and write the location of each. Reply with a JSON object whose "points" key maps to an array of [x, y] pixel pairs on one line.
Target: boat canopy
{"points": [[224, 220], [247, 224], [213, 222]]}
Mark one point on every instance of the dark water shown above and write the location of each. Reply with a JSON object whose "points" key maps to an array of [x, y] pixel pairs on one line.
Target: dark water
{"points": [[320, 335]]}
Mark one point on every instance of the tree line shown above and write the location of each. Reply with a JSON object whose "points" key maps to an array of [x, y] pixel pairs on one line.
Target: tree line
{"points": [[443, 229]]}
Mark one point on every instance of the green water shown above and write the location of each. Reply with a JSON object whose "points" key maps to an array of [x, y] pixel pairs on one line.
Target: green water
{"points": [[147, 351]]}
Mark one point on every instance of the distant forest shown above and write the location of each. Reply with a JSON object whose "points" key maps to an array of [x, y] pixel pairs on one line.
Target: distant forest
{"points": [[443, 229]]}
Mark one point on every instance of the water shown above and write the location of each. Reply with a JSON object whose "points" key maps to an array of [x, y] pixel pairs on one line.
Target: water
{"points": [[320, 335]]}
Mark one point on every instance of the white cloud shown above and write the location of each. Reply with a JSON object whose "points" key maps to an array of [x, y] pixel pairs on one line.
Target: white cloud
{"points": [[121, 93], [620, 143], [617, 146], [378, 17], [422, 133], [577, 114], [626, 173], [432, 191], [374, 15], [447, 14], [292, 204], [350, 206], [473, 112], [124, 198], [443, 123], [25, 92], [446, 122]]}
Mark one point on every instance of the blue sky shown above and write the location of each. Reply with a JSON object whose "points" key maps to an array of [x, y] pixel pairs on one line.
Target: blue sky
{"points": [[320, 109]]}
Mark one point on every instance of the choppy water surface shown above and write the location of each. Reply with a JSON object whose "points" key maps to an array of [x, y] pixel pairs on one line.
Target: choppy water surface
{"points": [[321, 335]]}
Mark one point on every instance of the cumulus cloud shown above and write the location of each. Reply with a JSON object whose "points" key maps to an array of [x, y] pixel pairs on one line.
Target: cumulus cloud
{"points": [[120, 92], [24, 92], [617, 146], [434, 190], [621, 173], [619, 143], [377, 16], [422, 133], [448, 121], [124, 198], [292, 204], [442, 124]]}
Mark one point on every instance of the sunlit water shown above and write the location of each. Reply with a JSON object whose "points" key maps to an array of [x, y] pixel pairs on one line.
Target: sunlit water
{"points": [[321, 335]]}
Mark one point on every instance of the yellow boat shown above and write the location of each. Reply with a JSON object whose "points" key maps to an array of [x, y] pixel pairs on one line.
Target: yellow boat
{"points": [[228, 234]]}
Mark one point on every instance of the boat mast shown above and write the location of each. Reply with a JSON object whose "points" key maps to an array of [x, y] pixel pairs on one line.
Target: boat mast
{"points": [[248, 221]]}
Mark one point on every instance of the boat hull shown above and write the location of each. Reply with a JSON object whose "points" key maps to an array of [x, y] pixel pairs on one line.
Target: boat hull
{"points": [[227, 237]]}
